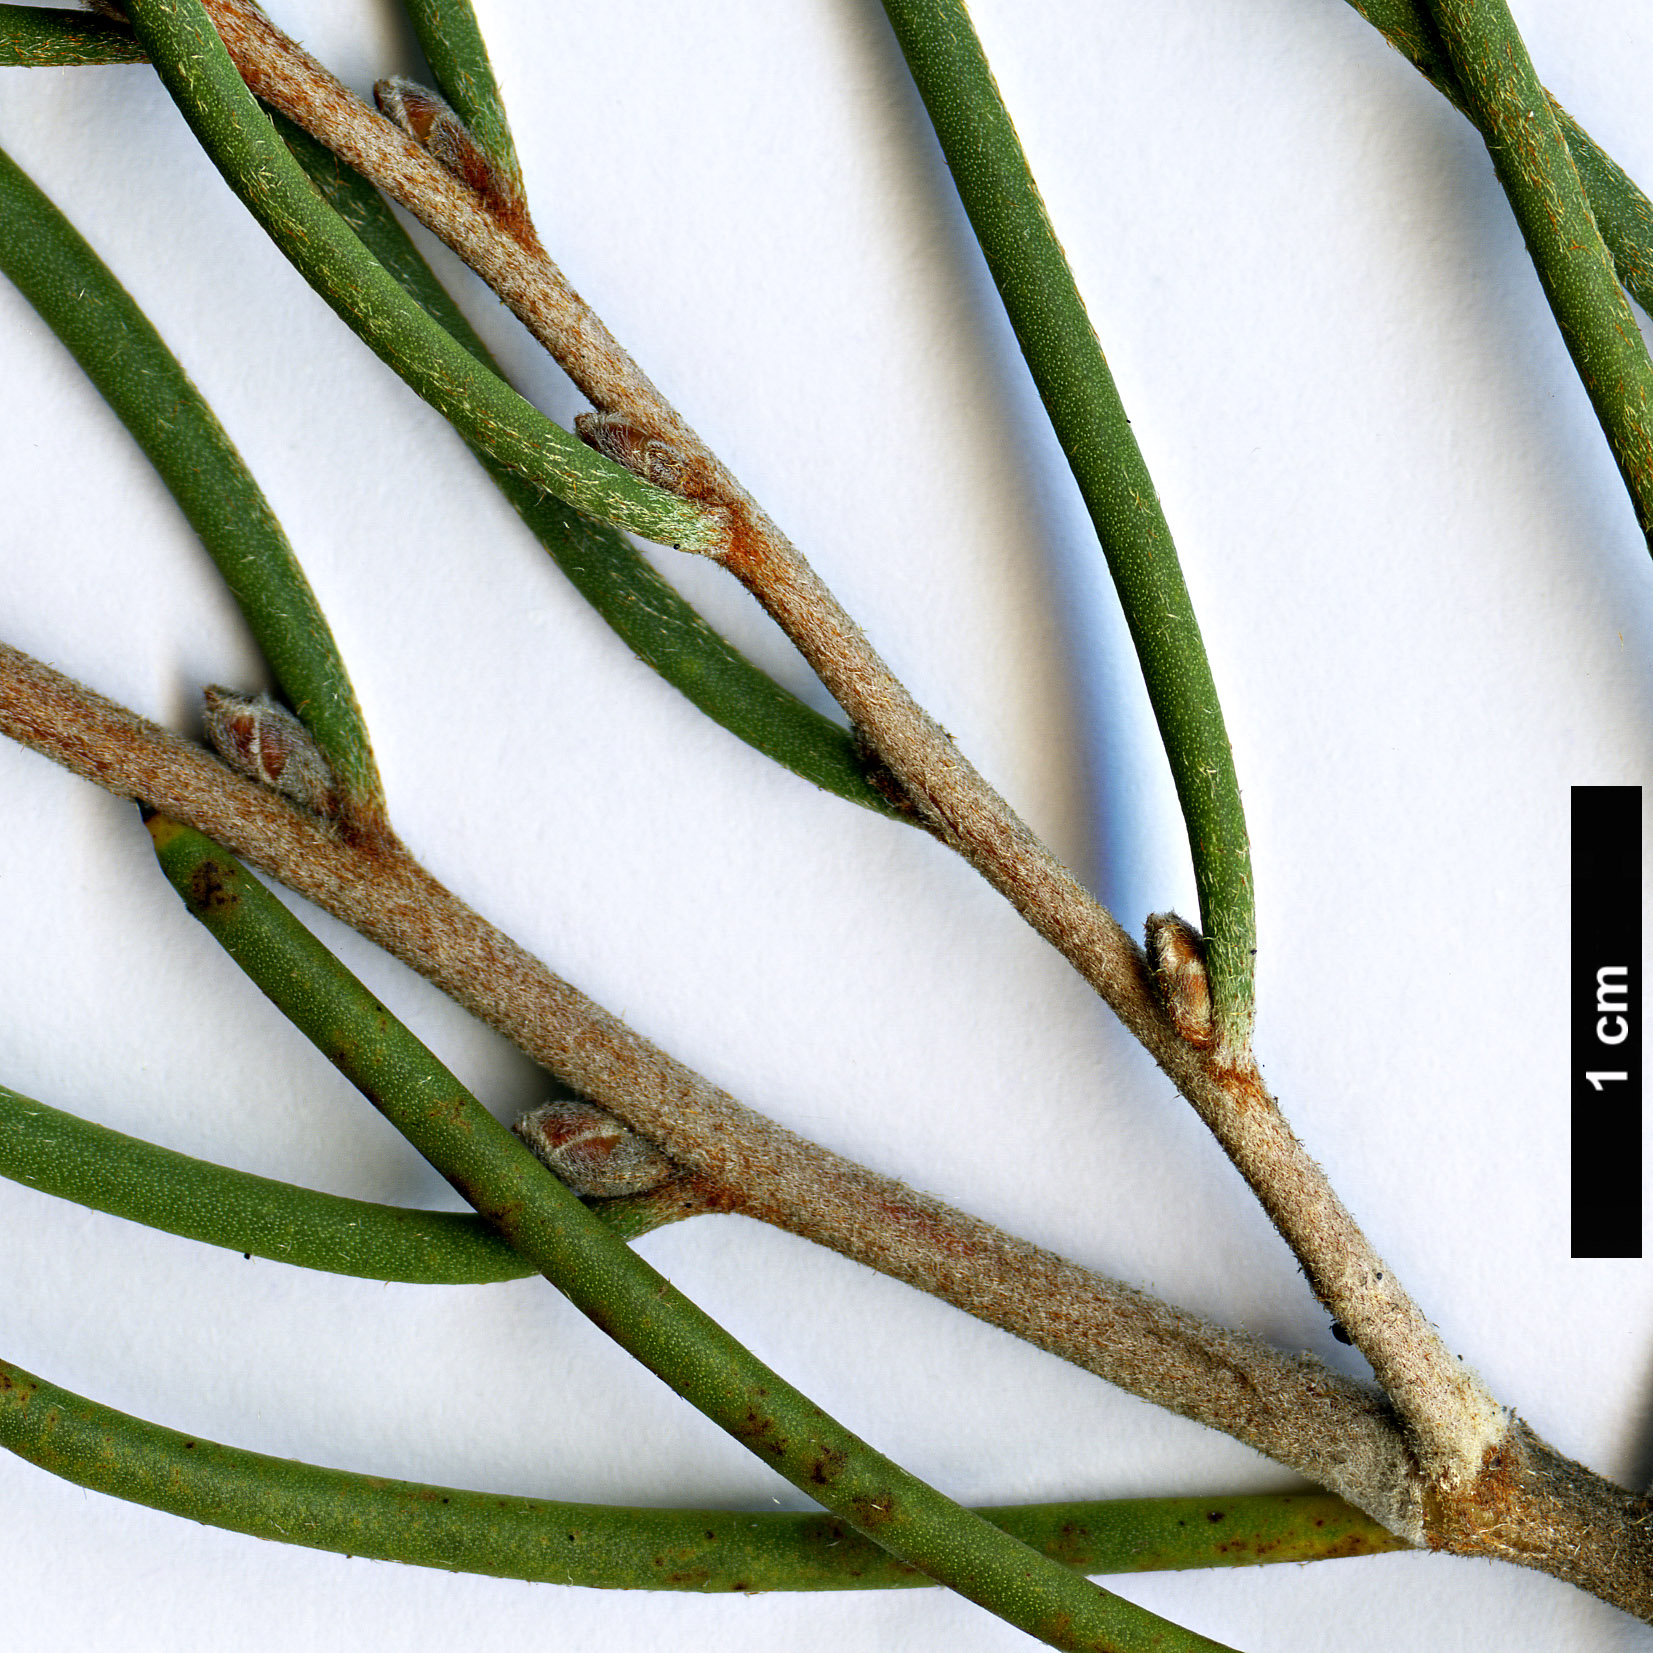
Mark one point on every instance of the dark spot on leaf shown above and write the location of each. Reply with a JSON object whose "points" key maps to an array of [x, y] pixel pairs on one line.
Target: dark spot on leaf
{"points": [[209, 889], [871, 1513], [1071, 1545], [759, 1431], [827, 1466]]}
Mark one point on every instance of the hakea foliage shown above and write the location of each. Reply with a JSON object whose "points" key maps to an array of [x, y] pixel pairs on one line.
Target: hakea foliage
{"points": [[1203, 975]]}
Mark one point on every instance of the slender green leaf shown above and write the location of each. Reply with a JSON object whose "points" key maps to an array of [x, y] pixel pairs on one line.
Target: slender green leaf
{"points": [[1067, 364], [620, 1292], [1502, 95], [242, 144], [107, 1170], [45, 37], [79, 298], [606, 1547], [642, 607], [1623, 213]]}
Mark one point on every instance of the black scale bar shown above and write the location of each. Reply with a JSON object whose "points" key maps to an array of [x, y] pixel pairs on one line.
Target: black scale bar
{"points": [[1606, 983]]}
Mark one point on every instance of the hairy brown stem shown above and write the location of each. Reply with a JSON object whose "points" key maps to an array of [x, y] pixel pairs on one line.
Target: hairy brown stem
{"points": [[507, 252], [1452, 1419], [1297, 1411], [1541, 1510], [1527, 1505]]}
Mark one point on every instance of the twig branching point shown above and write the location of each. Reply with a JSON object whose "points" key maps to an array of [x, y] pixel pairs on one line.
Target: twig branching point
{"points": [[1333, 1430], [1445, 1408]]}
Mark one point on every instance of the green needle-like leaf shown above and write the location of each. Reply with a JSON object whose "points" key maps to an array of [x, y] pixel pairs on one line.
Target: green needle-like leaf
{"points": [[47, 37], [648, 614], [1622, 212], [1060, 345], [58, 1153], [1502, 95], [110, 1171], [605, 1547], [627, 1298], [242, 144], [79, 298]]}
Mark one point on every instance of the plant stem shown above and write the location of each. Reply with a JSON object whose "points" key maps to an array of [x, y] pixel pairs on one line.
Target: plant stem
{"points": [[1453, 1419], [626, 1298], [1062, 352], [639, 604], [87, 308], [1326, 1427], [94, 1166], [238, 137], [96, 759], [603, 1546]]}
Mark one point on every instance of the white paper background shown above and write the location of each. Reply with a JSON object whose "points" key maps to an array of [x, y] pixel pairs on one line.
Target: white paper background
{"points": [[1428, 610]]}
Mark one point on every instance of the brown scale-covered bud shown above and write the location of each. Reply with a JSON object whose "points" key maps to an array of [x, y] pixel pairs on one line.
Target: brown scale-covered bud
{"points": [[1177, 955], [265, 742], [596, 1154], [627, 443], [431, 122]]}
